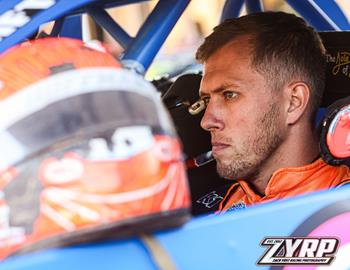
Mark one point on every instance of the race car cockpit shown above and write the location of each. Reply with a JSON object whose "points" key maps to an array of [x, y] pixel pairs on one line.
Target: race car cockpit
{"points": [[231, 240]]}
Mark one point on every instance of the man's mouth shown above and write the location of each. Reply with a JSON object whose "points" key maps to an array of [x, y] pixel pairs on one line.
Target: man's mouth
{"points": [[218, 147]]}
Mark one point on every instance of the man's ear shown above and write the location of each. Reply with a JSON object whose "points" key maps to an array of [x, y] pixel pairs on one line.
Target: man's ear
{"points": [[298, 95]]}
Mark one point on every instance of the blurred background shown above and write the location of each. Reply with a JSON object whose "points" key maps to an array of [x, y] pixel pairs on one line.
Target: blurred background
{"points": [[197, 22]]}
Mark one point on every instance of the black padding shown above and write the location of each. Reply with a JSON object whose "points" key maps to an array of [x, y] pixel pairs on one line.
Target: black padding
{"points": [[202, 180], [185, 91], [337, 45], [207, 188], [162, 84]]}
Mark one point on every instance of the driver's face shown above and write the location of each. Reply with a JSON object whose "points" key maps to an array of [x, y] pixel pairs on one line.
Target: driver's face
{"points": [[243, 113]]}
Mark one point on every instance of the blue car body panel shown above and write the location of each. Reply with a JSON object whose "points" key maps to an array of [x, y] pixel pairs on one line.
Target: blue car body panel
{"points": [[229, 241]]}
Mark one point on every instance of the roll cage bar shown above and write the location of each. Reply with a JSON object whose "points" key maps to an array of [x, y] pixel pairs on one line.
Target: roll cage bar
{"points": [[324, 15]]}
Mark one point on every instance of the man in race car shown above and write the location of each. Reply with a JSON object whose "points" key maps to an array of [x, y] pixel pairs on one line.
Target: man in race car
{"points": [[263, 81]]}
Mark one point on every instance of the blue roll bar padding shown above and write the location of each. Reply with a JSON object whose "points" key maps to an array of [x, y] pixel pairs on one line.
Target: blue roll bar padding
{"points": [[102, 18], [6, 5], [72, 27], [152, 34], [254, 6], [232, 9], [324, 15], [57, 27], [58, 10]]}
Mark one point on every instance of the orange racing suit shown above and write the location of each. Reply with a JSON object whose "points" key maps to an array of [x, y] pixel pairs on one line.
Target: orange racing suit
{"points": [[287, 182]]}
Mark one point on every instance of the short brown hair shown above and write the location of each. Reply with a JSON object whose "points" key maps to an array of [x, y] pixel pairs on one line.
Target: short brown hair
{"points": [[284, 47]]}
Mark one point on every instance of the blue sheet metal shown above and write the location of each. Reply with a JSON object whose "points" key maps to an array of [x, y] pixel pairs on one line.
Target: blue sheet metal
{"points": [[324, 15], [254, 6], [102, 18], [152, 34], [232, 9], [229, 241]]}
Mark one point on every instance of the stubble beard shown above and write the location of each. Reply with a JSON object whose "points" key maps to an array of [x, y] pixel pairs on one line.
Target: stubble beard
{"points": [[245, 162]]}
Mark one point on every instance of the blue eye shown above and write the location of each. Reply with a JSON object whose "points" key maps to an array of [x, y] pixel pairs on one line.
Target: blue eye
{"points": [[229, 95]]}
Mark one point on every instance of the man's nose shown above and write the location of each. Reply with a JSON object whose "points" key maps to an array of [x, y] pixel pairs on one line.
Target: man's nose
{"points": [[211, 119]]}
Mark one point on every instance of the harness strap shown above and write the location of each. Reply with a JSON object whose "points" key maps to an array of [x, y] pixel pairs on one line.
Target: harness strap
{"points": [[158, 253]]}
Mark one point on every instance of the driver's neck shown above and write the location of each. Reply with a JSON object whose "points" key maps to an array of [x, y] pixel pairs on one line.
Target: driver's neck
{"points": [[291, 153]]}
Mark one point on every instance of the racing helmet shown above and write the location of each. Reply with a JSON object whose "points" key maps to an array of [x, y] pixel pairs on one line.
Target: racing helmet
{"points": [[87, 150]]}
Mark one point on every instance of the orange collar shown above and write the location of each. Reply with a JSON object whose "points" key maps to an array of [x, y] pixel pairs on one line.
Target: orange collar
{"points": [[286, 179]]}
